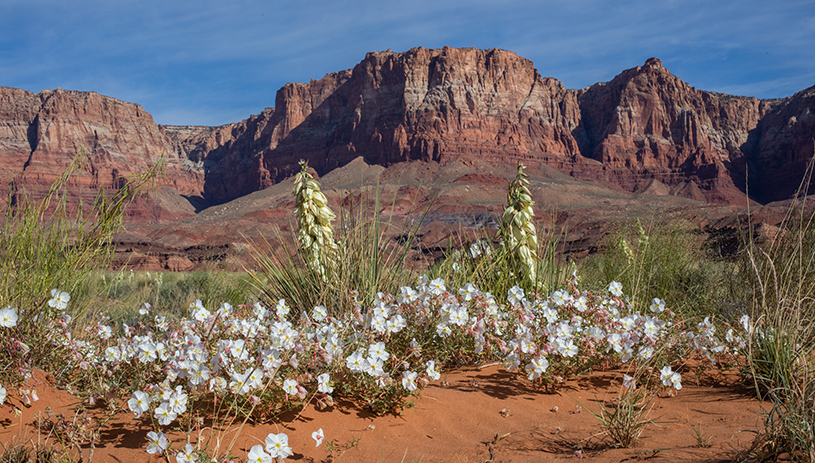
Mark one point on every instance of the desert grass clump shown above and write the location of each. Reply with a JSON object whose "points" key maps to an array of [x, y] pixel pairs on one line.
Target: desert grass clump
{"points": [[169, 293], [48, 249], [654, 260], [777, 282]]}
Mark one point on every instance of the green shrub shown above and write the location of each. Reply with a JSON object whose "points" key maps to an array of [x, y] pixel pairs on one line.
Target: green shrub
{"points": [[657, 260]]}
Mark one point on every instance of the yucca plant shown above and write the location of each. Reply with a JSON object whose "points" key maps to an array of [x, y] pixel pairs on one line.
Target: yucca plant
{"points": [[518, 236], [361, 260], [315, 234]]}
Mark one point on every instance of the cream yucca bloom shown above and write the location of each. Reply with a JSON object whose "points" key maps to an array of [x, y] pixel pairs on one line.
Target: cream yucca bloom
{"points": [[315, 233], [518, 233]]}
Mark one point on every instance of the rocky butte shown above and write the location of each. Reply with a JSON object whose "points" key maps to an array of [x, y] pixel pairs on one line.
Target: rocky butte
{"points": [[646, 131]]}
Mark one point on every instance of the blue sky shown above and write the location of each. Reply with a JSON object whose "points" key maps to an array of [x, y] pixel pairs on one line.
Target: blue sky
{"points": [[203, 62]]}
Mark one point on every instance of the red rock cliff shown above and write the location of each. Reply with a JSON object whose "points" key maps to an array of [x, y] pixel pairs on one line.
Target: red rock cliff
{"points": [[784, 142], [644, 125], [41, 133], [645, 130]]}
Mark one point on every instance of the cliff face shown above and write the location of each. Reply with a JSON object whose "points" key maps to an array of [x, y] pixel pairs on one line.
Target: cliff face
{"points": [[784, 143], [40, 134], [421, 104], [645, 130], [645, 127], [647, 124]]}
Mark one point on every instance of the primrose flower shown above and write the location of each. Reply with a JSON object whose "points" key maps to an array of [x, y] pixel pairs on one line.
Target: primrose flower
{"points": [[140, 403], [378, 351], [318, 436], [145, 308], [373, 366], [147, 352], [615, 342], [319, 313], [432, 372], [199, 312], [745, 323], [187, 455], [443, 330], [515, 295], [670, 378], [561, 297], [354, 362], [537, 367], [290, 386], [409, 380], [105, 332], [437, 286], [657, 305], [646, 352], [323, 384], [258, 455], [164, 414], [581, 304], [676, 379], [281, 308], [178, 401], [396, 323], [458, 316], [616, 288], [568, 348], [650, 329], [278, 445], [156, 442], [8, 317], [468, 291], [59, 299]]}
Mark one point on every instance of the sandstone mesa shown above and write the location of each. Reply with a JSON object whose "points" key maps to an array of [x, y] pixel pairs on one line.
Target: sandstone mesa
{"points": [[644, 132]]}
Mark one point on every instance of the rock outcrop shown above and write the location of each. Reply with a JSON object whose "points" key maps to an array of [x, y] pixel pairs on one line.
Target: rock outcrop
{"points": [[645, 125], [644, 131], [40, 134], [783, 145]]}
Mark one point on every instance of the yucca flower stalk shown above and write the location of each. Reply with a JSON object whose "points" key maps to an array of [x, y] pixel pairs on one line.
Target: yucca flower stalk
{"points": [[518, 234], [315, 233]]}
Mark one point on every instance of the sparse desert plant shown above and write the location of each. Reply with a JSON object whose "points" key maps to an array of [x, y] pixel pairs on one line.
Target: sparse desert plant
{"points": [[653, 259], [703, 440], [15, 452], [624, 419], [45, 248], [518, 236], [364, 262], [777, 285]]}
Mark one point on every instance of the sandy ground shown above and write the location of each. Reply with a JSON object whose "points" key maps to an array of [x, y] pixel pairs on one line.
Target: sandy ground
{"points": [[471, 415]]}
